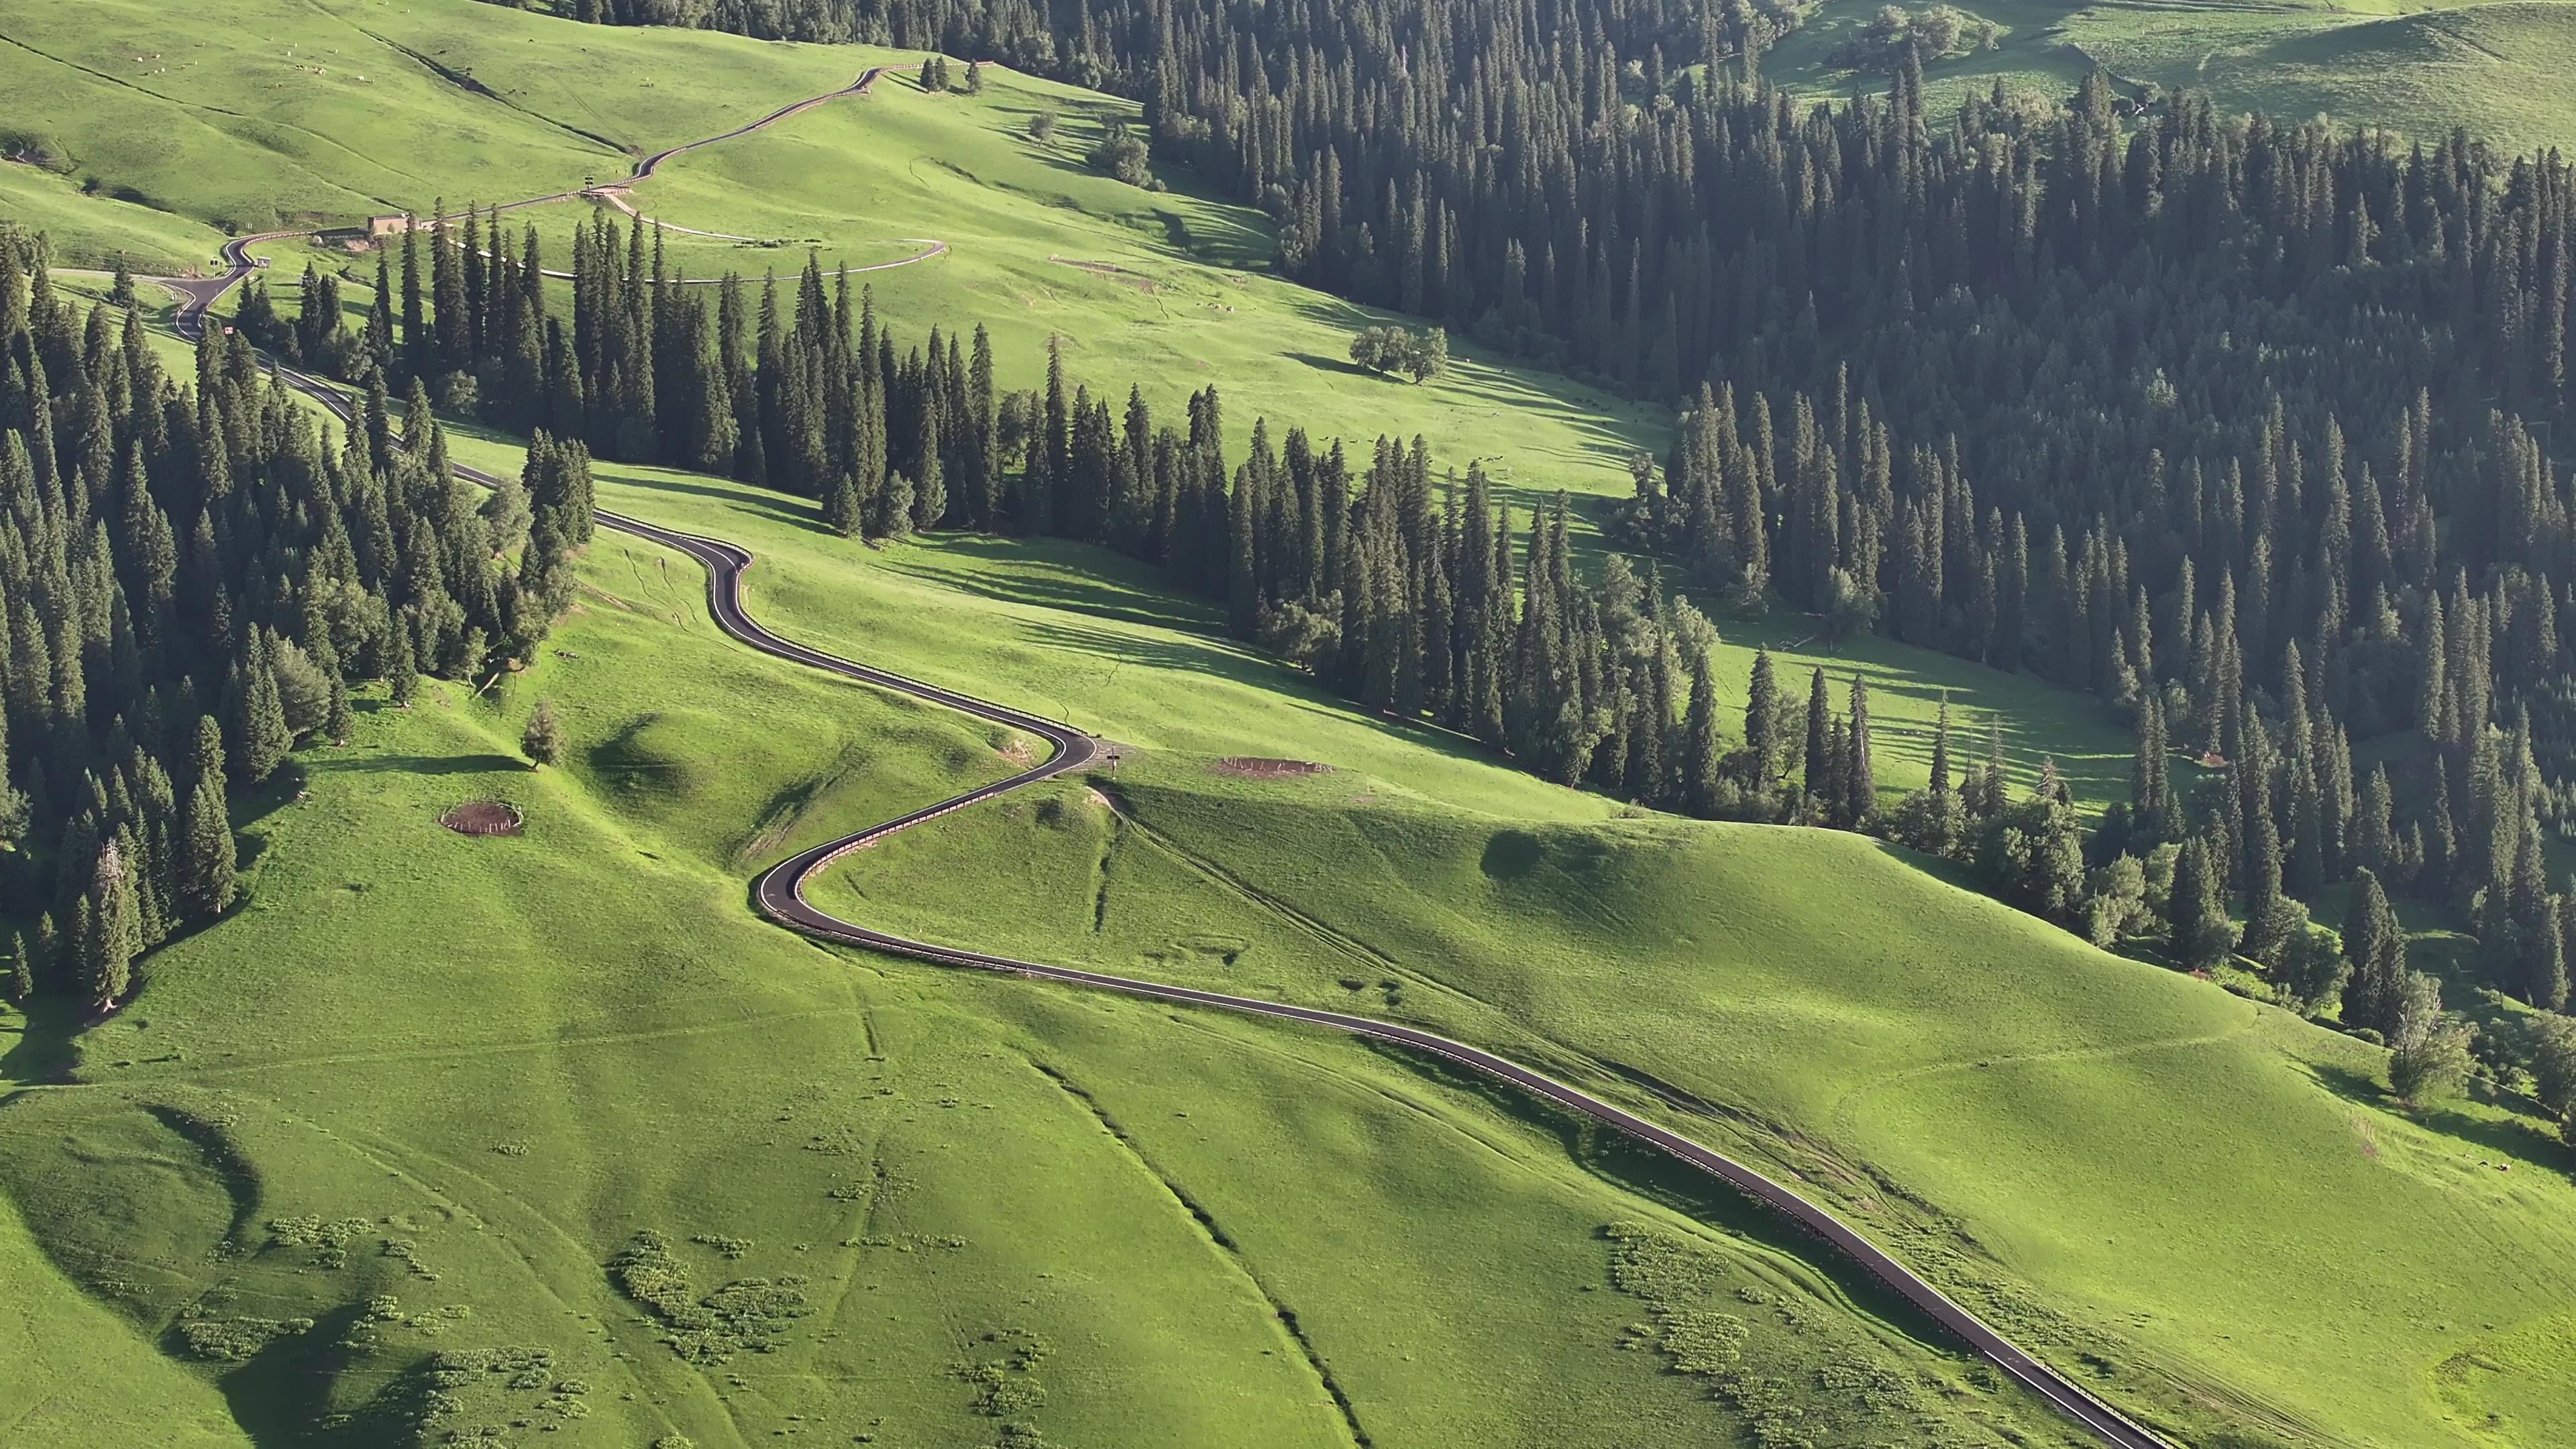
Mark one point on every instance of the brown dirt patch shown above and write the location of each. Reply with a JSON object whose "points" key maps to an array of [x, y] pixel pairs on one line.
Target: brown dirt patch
{"points": [[483, 817], [1252, 767]]}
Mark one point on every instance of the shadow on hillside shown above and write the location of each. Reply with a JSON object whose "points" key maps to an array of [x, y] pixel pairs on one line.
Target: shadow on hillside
{"points": [[36, 1045], [2524, 1137], [431, 765], [1343, 366], [1629, 1166], [1085, 593], [776, 507], [1129, 649], [282, 1393]]}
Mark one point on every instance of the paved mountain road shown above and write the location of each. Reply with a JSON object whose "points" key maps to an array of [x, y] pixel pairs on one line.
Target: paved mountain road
{"points": [[779, 893]]}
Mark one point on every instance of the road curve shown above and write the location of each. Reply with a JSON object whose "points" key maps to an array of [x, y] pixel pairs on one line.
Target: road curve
{"points": [[779, 893]]}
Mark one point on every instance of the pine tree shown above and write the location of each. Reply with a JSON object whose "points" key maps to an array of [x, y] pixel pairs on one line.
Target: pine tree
{"points": [[2202, 934], [22, 972], [206, 881], [338, 722], [1699, 735], [255, 717], [1762, 724], [841, 506], [1859, 775], [2375, 943], [1823, 762], [113, 934], [402, 675], [1940, 783]]}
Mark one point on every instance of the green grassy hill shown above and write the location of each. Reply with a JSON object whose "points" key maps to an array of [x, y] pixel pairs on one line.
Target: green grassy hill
{"points": [[2197, 1196], [2419, 67], [192, 112], [425, 1089], [466, 1074], [2210, 1202]]}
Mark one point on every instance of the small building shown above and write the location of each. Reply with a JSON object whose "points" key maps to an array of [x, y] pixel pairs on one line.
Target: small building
{"points": [[387, 225]]}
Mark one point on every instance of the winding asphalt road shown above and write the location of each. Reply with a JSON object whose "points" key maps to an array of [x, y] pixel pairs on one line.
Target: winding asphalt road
{"points": [[780, 894]]}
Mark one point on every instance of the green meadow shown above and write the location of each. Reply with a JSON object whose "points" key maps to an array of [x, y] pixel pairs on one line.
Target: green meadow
{"points": [[370, 1160], [548, 1138], [2417, 67], [2135, 1169]]}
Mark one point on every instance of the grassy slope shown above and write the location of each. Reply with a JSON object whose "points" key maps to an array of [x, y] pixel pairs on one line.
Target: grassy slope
{"points": [[1819, 1038], [88, 229], [941, 1156], [205, 114], [70, 1372], [2411, 66], [2133, 1169]]}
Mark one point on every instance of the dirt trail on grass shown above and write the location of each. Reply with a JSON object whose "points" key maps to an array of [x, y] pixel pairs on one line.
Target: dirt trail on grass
{"points": [[779, 892], [201, 293]]}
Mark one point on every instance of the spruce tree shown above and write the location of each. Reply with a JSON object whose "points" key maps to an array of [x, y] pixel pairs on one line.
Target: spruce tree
{"points": [[1822, 760], [841, 506], [206, 880], [2202, 934], [45, 958], [255, 717], [1860, 775], [22, 972], [113, 933], [402, 675], [1762, 724], [2375, 943], [1699, 736]]}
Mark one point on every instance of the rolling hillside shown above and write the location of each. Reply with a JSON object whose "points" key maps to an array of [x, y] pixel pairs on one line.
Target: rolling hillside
{"points": [[548, 1139], [2415, 68]]}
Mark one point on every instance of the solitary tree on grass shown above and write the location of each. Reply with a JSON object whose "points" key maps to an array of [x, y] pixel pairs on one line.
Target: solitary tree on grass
{"points": [[337, 721], [544, 738]]}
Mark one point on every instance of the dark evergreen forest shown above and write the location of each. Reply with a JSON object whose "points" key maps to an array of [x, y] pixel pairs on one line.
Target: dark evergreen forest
{"points": [[193, 574]]}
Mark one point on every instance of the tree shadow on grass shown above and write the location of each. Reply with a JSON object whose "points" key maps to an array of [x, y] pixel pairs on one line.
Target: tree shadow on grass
{"points": [[1341, 365], [281, 1396], [482, 764], [775, 507], [36, 1044], [1098, 598], [2523, 1137]]}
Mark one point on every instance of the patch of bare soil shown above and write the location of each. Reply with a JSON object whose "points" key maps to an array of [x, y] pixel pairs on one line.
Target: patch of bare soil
{"points": [[1252, 767], [483, 817]]}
